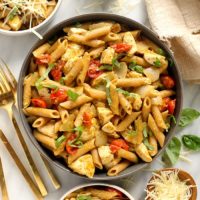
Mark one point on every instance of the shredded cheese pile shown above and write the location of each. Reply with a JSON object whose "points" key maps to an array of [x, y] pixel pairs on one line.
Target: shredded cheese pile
{"points": [[168, 186], [28, 9]]}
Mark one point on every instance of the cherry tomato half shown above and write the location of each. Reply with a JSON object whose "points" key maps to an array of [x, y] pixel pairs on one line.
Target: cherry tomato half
{"points": [[93, 70], [56, 72], [87, 119], [37, 102], [117, 144], [165, 102], [43, 59], [168, 82], [171, 106], [71, 150], [58, 96], [121, 47]]}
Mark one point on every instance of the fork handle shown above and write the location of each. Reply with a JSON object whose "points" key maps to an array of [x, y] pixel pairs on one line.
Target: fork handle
{"points": [[34, 169]]}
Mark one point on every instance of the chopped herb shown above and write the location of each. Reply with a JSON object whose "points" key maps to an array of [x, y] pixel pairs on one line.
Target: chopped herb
{"points": [[55, 87], [172, 152], [171, 62], [84, 197], [146, 143], [77, 142], [188, 115], [134, 67], [157, 63], [145, 132], [44, 76], [160, 51], [150, 133], [132, 133], [126, 93], [172, 118], [72, 95], [13, 13], [77, 25], [106, 67], [108, 92], [191, 142], [60, 140], [116, 63], [79, 129], [62, 79]]}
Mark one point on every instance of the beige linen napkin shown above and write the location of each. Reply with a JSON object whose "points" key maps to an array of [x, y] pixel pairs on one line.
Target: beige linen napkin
{"points": [[178, 23]]}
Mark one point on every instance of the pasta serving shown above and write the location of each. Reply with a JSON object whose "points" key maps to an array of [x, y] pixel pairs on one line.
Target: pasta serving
{"points": [[96, 193], [24, 14], [100, 97]]}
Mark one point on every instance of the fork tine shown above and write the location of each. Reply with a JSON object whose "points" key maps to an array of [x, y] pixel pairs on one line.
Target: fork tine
{"points": [[4, 84], [9, 75]]}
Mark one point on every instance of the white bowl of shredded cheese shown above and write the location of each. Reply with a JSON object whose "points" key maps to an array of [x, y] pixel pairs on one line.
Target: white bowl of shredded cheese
{"points": [[15, 12], [171, 184]]}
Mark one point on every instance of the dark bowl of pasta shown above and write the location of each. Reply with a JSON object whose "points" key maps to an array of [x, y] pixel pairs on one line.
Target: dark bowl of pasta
{"points": [[100, 96], [97, 191]]}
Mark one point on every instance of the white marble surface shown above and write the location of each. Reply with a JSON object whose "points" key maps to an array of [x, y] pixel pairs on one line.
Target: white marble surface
{"points": [[13, 51]]}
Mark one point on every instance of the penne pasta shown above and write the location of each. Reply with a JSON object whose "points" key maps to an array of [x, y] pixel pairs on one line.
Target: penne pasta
{"points": [[127, 155], [158, 117], [133, 82]]}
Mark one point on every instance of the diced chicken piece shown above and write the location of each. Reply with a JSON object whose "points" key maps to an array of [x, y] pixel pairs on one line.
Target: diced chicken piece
{"points": [[107, 56], [105, 154], [84, 166], [104, 114]]}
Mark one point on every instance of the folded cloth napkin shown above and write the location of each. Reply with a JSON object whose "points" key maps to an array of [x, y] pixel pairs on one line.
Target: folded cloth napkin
{"points": [[178, 23]]}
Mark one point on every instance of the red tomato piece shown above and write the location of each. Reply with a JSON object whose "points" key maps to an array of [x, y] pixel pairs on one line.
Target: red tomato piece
{"points": [[93, 70], [56, 72], [164, 106], [71, 150], [43, 59], [168, 82], [171, 106], [121, 47], [117, 144], [37, 102], [58, 96], [119, 194], [87, 119]]}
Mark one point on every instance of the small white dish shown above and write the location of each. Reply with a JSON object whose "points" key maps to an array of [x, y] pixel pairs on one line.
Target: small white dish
{"points": [[35, 28], [97, 184]]}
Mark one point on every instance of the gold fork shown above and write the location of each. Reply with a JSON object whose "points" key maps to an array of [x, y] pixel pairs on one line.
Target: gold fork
{"points": [[13, 86], [3, 183], [8, 99]]}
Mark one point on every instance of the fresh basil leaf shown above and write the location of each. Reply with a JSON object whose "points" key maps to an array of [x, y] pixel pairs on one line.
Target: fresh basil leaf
{"points": [[134, 67], [132, 133], [106, 67], [121, 55], [108, 92], [116, 63], [60, 140], [172, 118], [146, 143], [172, 152], [72, 95], [126, 93], [157, 63], [191, 142], [13, 13], [160, 51], [84, 197], [44, 76], [188, 115], [62, 80]]}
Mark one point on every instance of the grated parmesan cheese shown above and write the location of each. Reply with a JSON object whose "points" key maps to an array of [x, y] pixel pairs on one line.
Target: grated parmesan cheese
{"points": [[167, 186]]}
